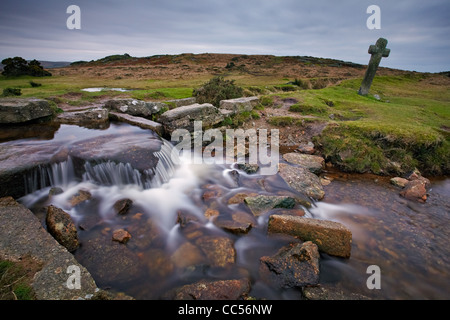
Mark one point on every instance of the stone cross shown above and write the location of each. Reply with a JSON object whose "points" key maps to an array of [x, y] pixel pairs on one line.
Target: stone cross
{"points": [[377, 51]]}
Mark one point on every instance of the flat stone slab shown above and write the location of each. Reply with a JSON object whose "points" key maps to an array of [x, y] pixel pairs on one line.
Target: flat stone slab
{"points": [[18, 110], [93, 115], [184, 117], [138, 121], [21, 235], [239, 105], [331, 237]]}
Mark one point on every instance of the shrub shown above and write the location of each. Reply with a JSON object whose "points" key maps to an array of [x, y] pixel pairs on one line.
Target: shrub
{"points": [[35, 84], [217, 89], [9, 92], [18, 66]]}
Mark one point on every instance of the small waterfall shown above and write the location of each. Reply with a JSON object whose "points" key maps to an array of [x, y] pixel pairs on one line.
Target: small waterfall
{"points": [[56, 175], [107, 173]]}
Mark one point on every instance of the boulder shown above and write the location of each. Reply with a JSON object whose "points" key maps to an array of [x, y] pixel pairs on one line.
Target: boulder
{"points": [[218, 250], [134, 107], [331, 237], [61, 227], [399, 182], [18, 110], [314, 164], [416, 189], [239, 105], [292, 266], [302, 180], [122, 206], [262, 204], [214, 290], [184, 117]]}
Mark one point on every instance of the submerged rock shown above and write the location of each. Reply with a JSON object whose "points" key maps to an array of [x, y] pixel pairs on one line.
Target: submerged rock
{"points": [[214, 290], [331, 237], [291, 267], [218, 250], [61, 227]]}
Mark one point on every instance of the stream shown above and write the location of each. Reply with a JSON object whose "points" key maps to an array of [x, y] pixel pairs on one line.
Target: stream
{"points": [[407, 241]]}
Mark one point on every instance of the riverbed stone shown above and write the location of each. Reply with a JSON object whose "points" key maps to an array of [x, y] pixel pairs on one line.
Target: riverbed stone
{"points": [[214, 290], [313, 163], [292, 266], [61, 227], [331, 237], [219, 250], [399, 182], [262, 203], [184, 117], [416, 190], [19, 110], [302, 180]]}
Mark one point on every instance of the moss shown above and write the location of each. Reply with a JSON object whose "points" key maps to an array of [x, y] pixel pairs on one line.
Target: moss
{"points": [[15, 279]]}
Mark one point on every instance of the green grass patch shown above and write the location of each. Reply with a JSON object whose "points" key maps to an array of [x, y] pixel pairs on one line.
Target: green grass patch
{"points": [[15, 279]]}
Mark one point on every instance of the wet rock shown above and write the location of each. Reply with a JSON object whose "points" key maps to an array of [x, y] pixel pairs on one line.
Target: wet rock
{"points": [[187, 255], [248, 168], [212, 191], [234, 226], [110, 262], [122, 206], [121, 236], [306, 148], [331, 237], [214, 290], [18, 110], [328, 292], [302, 180], [399, 182], [158, 263], [144, 230], [184, 117], [314, 164], [239, 105], [209, 213], [262, 204], [61, 227], [292, 266], [240, 197], [79, 197], [416, 190], [218, 250], [55, 191]]}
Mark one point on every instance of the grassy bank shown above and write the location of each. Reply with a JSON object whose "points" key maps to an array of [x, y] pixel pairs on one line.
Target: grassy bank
{"points": [[405, 126]]}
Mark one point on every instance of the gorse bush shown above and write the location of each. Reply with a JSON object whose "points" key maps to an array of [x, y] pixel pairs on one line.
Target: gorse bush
{"points": [[217, 89]]}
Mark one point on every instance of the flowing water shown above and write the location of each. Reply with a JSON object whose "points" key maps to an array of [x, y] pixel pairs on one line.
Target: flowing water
{"points": [[408, 241]]}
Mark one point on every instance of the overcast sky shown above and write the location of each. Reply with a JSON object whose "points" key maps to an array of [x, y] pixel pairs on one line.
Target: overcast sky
{"points": [[418, 31]]}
